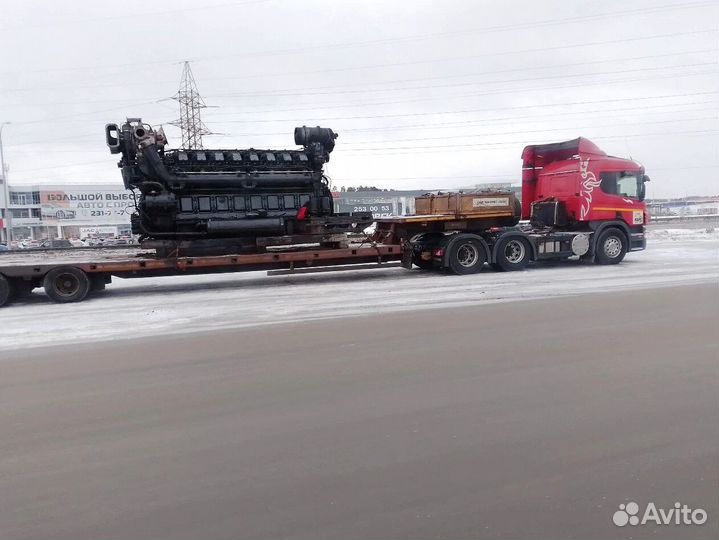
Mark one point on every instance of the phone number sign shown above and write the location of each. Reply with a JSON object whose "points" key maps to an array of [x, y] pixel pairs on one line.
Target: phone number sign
{"points": [[378, 209]]}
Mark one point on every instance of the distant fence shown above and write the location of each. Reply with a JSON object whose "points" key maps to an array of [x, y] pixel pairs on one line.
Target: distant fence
{"points": [[689, 218]]}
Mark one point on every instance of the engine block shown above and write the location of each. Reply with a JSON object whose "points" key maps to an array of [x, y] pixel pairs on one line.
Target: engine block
{"points": [[202, 194]]}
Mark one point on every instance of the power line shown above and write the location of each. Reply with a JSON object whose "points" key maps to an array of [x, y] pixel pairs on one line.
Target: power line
{"points": [[415, 37], [453, 33], [110, 84], [524, 119], [473, 94], [468, 57], [443, 125], [500, 133], [152, 65], [526, 79], [459, 123], [133, 15], [490, 134], [459, 147], [321, 90], [75, 115], [64, 103]]}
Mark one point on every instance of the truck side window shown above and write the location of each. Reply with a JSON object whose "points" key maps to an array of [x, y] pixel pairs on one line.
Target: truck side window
{"points": [[624, 184], [609, 182], [628, 184]]}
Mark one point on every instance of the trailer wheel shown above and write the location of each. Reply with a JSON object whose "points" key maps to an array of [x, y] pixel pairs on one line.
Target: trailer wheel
{"points": [[466, 257], [66, 284], [512, 254], [611, 247], [5, 290]]}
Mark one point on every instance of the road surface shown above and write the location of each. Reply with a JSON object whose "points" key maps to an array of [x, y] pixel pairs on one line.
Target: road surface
{"points": [[502, 420]]}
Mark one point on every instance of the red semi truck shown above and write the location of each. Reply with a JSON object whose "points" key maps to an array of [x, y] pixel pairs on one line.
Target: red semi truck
{"points": [[576, 202]]}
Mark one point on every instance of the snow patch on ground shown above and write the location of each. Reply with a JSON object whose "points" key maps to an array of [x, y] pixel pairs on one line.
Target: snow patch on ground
{"points": [[184, 304], [676, 235]]}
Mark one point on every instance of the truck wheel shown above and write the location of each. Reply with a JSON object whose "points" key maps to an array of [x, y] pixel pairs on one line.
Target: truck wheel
{"points": [[466, 257], [512, 254], [66, 284], [611, 247], [5, 290]]}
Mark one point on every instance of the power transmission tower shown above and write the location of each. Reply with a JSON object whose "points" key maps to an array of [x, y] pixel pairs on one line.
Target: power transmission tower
{"points": [[190, 105]]}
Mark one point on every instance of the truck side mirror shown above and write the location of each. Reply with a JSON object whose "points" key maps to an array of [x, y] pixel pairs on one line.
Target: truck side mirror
{"points": [[645, 179]]}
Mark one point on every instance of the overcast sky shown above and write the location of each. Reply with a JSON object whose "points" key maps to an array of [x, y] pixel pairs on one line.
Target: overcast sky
{"points": [[423, 94]]}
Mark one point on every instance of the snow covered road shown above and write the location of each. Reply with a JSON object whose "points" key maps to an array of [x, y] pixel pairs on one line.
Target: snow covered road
{"points": [[178, 305]]}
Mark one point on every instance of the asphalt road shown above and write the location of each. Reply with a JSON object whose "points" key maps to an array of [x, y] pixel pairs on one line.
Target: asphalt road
{"points": [[508, 420]]}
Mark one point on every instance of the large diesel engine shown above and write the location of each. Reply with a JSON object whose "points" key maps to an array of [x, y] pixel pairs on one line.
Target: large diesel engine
{"points": [[203, 194]]}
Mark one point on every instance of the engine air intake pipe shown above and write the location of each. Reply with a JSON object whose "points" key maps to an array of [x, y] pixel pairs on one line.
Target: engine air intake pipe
{"points": [[305, 136]]}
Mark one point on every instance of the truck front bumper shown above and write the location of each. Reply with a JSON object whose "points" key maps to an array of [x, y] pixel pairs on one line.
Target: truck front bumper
{"points": [[637, 241]]}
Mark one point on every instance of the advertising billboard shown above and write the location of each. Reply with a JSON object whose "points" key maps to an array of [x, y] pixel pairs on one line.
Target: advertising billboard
{"points": [[77, 205]]}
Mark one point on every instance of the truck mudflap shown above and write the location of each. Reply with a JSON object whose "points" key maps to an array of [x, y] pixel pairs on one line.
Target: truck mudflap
{"points": [[407, 255]]}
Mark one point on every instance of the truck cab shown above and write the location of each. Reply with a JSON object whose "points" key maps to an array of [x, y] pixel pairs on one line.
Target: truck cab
{"points": [[576, 186]]}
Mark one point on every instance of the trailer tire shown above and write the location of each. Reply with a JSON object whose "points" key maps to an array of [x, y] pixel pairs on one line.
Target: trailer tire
{"points": [[66, 284], [5, 290], [611, 247], [513, 254], [466, 256]]}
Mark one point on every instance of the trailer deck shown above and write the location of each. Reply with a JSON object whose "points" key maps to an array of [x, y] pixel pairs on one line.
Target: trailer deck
{"points": [[70, 274], [137, 262]]}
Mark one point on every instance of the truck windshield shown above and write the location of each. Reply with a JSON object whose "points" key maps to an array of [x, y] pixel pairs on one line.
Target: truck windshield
{"points": [[624, 184]]}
